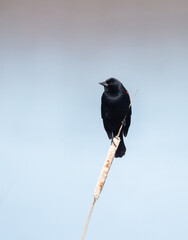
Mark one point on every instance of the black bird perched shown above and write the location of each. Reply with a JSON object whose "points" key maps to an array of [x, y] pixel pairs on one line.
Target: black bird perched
{"points": [[114, 108]]}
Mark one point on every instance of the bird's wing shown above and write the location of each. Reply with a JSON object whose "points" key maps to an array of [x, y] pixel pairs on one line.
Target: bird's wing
{"points": [[127, 123], [128, 115], [104, 115]]}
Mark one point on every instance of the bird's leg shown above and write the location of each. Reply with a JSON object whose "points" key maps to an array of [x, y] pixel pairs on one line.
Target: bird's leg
{"points": [[113, 139], [124, 122]]}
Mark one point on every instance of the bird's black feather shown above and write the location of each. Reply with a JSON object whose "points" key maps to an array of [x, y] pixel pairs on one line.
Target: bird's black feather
{"points": [[114, 108]]}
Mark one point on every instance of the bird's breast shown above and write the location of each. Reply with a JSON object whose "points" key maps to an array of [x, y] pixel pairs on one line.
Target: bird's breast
{"points": [[115, 106]]}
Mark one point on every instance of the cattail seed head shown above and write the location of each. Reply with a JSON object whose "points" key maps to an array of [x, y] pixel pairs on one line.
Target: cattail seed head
{"points": [[106, 167]]}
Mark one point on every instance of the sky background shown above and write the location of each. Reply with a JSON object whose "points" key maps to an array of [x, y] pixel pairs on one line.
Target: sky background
{"points": [[52, 141]]}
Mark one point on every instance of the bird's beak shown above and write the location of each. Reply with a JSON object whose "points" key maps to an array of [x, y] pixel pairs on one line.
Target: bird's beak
{"points": [[103, 84]]}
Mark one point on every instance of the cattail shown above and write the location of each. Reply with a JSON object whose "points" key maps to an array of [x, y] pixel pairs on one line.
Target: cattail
{"points": [[105, 170], [103, 176], [106, 167]]}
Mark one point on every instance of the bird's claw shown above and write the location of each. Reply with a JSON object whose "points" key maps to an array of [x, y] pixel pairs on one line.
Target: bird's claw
{"points": [[113, 140], [124, 122]]}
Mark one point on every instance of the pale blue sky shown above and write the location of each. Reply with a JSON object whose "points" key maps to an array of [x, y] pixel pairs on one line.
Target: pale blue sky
{"points": [[52, 141]]}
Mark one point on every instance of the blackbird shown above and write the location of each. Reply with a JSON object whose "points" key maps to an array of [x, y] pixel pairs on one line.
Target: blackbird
{"points": [[115, 110]]}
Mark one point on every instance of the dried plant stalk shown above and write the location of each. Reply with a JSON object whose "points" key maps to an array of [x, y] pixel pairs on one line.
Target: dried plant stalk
{"points": [[105, 170], [106, 167]]}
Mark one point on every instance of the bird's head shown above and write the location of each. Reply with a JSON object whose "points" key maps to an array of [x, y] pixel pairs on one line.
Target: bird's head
{"points": [[111, 85]]}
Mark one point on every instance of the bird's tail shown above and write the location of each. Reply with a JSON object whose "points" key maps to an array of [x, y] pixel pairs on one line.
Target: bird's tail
{"points": [[121, 149]]}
